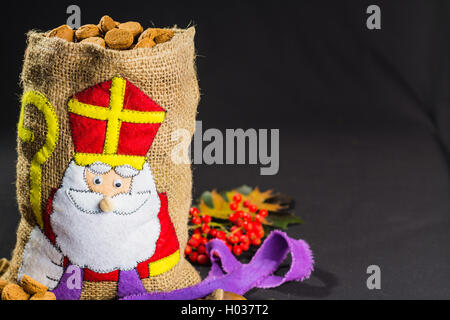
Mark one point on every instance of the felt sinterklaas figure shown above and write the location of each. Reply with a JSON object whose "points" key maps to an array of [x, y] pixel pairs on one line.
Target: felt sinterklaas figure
{"points": [[106, 221]]}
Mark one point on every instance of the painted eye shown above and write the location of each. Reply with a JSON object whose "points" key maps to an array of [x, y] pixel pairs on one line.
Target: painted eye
{"points": [[117, 183], [98, 180]]}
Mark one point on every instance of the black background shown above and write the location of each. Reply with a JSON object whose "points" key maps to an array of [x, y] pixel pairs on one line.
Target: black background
{"points": [[364, 119]]}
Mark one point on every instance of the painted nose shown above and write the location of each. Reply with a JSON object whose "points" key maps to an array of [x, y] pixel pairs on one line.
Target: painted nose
{"points": [[107, 204]]}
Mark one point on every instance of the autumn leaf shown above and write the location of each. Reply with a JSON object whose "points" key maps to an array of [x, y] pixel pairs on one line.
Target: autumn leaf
{"points": [[258, 198], [214, 205]]}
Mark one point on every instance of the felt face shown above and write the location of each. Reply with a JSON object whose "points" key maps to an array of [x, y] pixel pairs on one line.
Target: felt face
{"points": [[108, 184]]}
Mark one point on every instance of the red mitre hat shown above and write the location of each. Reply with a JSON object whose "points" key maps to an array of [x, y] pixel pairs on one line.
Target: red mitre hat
{"points": [[113, 122]]}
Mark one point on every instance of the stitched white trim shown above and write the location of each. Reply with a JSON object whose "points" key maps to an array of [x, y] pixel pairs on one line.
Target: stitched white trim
{"points": [[126, 171], [99, 168], [41, 260]]}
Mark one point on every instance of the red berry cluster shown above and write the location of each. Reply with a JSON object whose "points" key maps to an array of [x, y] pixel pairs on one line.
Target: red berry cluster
{"points": [[195, 248], [246, 230]]}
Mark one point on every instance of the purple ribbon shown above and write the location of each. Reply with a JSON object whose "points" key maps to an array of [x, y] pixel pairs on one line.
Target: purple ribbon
{"points": [[129, 283], [70, 285], [229, 274]]}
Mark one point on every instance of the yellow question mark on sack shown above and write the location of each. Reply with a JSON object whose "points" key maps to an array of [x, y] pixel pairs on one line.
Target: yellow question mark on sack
{"points": [[38, 100]]}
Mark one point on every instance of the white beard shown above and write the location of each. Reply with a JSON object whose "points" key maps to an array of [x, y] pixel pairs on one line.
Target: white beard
{"points": [[104, 242]]}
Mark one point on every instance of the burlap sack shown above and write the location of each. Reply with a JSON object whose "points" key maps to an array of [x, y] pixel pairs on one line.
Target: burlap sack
{"points": [[59, 69]]}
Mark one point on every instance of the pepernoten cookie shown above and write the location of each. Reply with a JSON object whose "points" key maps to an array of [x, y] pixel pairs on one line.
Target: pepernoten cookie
{"points": [[106, 23], [27, 289], [134, 27], [119, 39], [145, 43], [87, 31], [95, 40], [64, 32]]}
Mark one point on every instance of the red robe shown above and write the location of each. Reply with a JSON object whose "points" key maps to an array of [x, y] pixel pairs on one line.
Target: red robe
{"points": [[166, 245]]}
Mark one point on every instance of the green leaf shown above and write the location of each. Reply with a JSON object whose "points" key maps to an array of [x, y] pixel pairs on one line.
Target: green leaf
{"points": [[206, 197], [218, 207], [245, 190], [223, 194], [283, 220]]}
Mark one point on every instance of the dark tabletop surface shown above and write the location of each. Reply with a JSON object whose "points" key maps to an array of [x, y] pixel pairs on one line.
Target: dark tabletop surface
{"points": [[364, 131]]}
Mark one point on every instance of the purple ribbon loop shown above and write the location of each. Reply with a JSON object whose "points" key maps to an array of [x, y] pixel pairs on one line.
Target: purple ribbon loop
{"points": [[229, 274], [129, 283], [70, 285]]}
